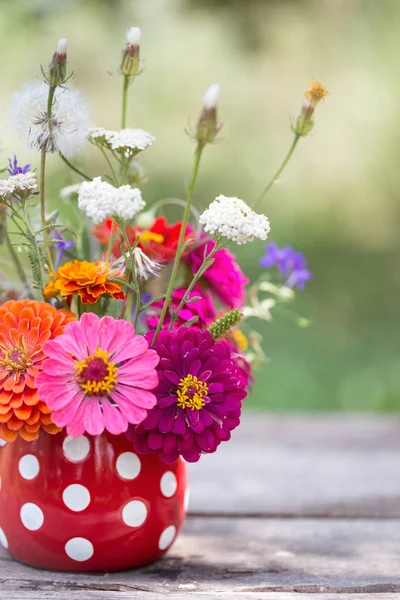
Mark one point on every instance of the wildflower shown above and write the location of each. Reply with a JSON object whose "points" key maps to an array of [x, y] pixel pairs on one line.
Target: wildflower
{"points": [[57, 73], [88, 280], [98, 375], [201, 309], [130, 62], [304, 123], [316, 92], [233, 219], [66, 128], [159, 243], [101, 200], [61, 245], [15, 169], [145, 267], [199, 397], [25, 325], [128, 142], [207, 125], [224, 276], [20, 185], [291, 265]]}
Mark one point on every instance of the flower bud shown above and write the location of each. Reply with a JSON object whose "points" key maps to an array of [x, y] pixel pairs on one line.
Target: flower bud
{"points": [[57, 73], [130, 62], [207, 125], [304, 123]]}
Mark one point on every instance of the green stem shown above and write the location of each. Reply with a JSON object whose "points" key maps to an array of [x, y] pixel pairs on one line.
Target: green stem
{"points": [[206, 264], [71, 166], [43, 208], [34, 242], [133, 273], [17, 263], [181, 240], [109, 164], [280, 170], [124, 101]]}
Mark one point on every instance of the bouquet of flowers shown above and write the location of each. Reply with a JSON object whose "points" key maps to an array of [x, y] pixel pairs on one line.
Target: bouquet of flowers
{"points": [[126, 323]]}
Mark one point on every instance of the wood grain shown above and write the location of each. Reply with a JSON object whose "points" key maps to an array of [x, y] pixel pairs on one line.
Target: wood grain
{"points": [[248, 556], [330, 465]]}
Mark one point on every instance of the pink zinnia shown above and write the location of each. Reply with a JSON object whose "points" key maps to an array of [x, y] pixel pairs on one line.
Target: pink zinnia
{"points": [[98, 375], [203, 309], [225, 277], [199, 397]]}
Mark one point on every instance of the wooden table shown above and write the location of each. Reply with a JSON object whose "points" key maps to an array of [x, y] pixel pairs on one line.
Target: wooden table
{"points": [[293, 508]]}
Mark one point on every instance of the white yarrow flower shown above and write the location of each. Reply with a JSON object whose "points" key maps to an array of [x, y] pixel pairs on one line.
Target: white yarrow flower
{"points": [[69, 120], [233, 219], [18, 184], [127, 141], [101, 200], [211, 96], [145, 267], [133, 35]]}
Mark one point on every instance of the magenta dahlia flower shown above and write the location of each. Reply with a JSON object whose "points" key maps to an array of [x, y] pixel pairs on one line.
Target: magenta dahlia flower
{"points": [[225, 277], [98, 375], [199, 397], [203, 309]]}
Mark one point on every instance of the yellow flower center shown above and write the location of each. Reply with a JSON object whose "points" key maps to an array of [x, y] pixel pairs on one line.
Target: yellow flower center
{"points": [[191, 392], [149, 236], [15, 358], [96, 374]]}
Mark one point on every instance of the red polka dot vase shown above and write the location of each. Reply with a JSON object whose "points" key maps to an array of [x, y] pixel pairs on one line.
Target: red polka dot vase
{"points": [[88, 504]]}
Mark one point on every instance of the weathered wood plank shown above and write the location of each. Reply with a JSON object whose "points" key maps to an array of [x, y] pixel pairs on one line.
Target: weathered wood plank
{"points": [[67, 595], [245, 556], [334, 465]]}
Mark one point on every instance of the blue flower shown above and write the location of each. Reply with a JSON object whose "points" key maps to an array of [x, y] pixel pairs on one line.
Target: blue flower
{"points": [[61, 245], [14, 169], [291, 265]]}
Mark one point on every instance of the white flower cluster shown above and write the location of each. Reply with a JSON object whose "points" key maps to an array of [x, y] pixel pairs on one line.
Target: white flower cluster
{"points": [[69, 118], [233, 219], [100, 200], [18, 184], [127, 141]]}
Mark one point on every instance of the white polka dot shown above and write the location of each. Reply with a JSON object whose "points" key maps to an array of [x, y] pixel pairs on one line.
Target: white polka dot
{"points": [[76, 449], [134, 513], [2, 443], [168, 484], [186, 500], [28, 466], [79, 549], [3, 539], [167, 537], [128, 465], [76, 497], [32, 516]]}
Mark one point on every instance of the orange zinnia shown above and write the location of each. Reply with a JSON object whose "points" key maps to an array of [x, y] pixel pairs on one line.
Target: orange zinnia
{"points": [[88, 280], [25, 325]]}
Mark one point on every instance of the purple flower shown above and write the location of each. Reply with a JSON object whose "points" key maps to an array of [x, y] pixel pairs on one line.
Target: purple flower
{"points": [[61, 245], [291, 265], [14, 169], [199, 397]]}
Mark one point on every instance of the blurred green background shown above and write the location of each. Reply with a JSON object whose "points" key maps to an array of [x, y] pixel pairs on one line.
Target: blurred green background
{"points": [[338, 201]]}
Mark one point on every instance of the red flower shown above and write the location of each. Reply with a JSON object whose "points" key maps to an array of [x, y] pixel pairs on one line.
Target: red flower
{"points": [[159, 242]]}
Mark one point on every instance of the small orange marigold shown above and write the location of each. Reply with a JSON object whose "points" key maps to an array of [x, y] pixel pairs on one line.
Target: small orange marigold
{"points": [[89, 280]]}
